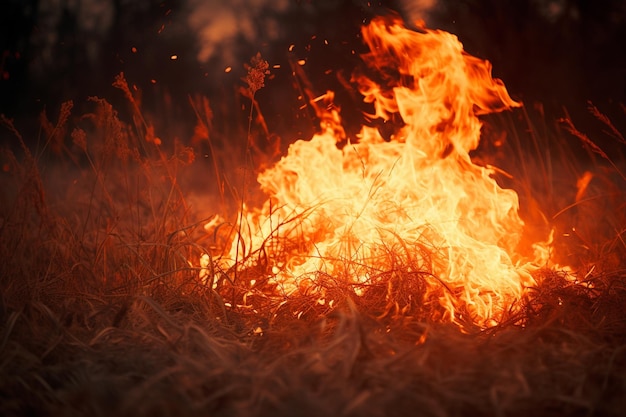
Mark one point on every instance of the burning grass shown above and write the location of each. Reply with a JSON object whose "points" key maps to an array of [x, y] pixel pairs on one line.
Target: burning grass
{"points": [[107, 311]]}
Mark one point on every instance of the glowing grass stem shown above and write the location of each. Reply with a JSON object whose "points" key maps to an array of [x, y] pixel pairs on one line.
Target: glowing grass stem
{"points": [[255, 79]]}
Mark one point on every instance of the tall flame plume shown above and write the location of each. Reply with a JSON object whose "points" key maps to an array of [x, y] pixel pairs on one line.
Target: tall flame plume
{"points": [[413, 205]]}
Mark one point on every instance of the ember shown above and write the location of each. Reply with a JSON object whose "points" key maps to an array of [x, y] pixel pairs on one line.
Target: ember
{"points": [[416, 204]]}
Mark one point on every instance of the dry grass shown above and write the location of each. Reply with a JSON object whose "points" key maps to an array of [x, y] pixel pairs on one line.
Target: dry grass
{"points": [[102, 313]]}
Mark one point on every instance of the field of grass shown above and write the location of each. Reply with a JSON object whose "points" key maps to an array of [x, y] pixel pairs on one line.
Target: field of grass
{"points": [[103, 311]]}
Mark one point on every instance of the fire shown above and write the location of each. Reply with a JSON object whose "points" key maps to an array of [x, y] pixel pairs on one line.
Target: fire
{"points": [[415, 204]]}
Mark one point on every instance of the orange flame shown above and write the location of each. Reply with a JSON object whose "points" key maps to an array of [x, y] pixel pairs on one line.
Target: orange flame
{"points": [[416, 203]]}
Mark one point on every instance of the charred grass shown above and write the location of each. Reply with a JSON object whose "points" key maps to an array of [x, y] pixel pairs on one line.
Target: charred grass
{"points": [[103, 311]]}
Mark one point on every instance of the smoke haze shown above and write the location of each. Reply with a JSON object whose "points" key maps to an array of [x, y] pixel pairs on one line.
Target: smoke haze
{"points": [[220, 24]]}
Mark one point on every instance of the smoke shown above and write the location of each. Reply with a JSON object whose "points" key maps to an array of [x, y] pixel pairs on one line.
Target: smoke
{"points": [[421, 10], [552, 10], [417, 10], [220, 24], [221, 27]]}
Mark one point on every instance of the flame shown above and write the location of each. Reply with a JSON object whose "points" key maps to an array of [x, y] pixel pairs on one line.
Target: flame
{"points": [[413, 204]]}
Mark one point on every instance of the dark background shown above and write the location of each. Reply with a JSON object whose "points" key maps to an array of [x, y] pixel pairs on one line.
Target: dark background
{"points": [[561, 53]]}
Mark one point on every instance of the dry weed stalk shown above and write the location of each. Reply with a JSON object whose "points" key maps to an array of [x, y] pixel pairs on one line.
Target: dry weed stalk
{"points": [[257, 70]]}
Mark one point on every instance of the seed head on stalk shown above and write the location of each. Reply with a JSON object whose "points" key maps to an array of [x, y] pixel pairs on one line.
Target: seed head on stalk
{"points": [[257, 70], [255, 78]]}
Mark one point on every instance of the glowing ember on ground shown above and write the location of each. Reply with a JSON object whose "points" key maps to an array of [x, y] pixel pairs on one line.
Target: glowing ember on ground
{"points": [[416, 204]]}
